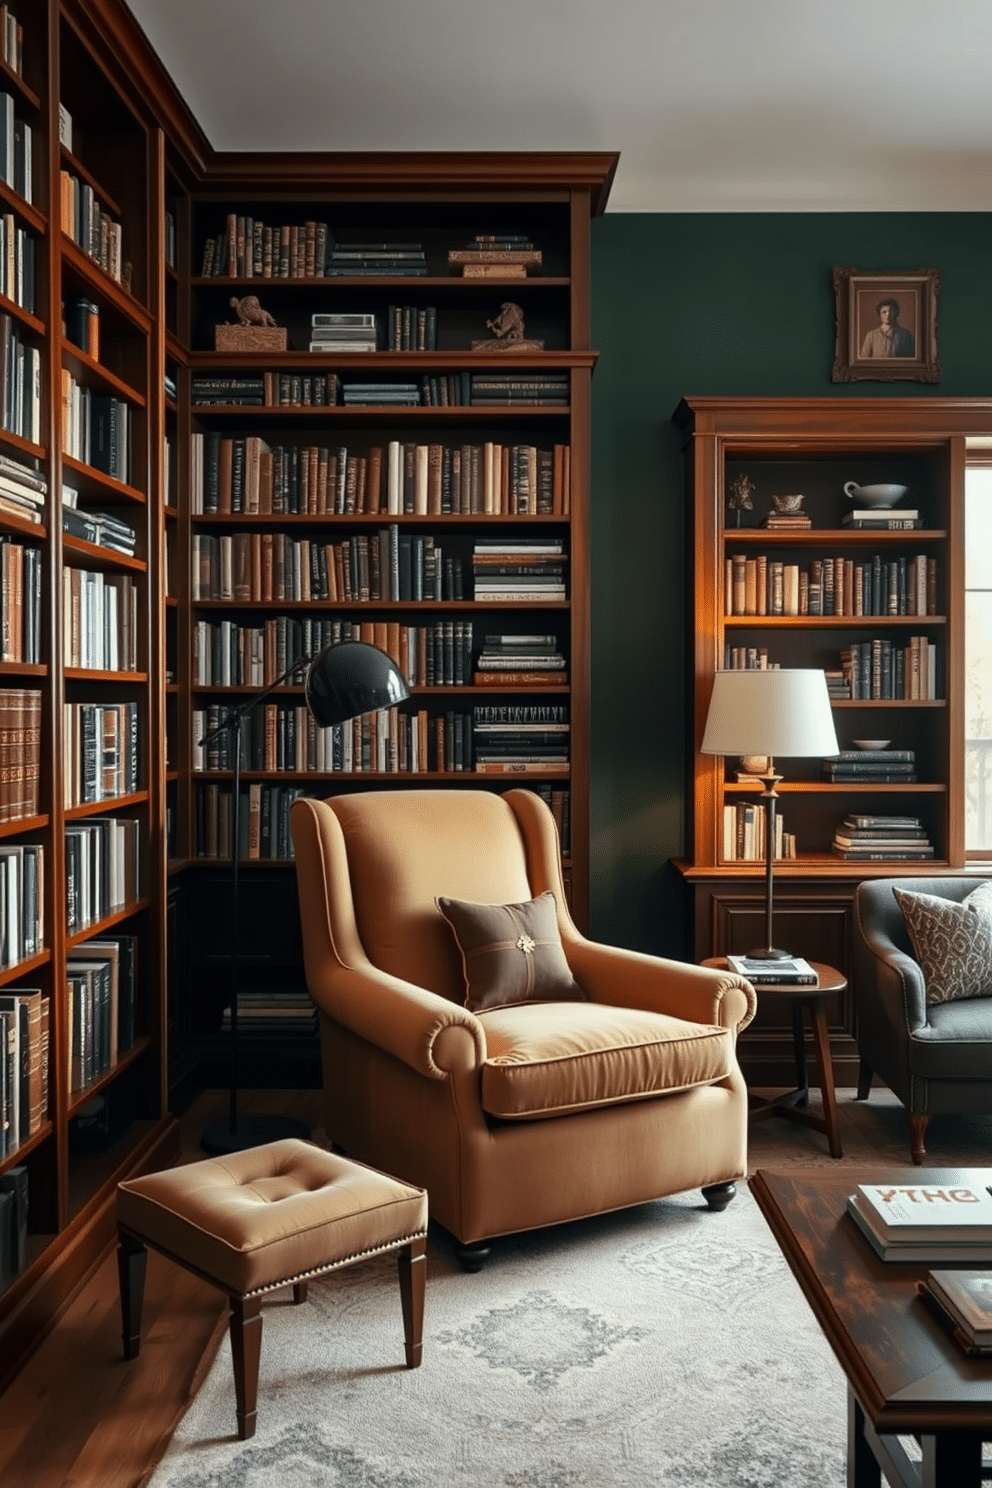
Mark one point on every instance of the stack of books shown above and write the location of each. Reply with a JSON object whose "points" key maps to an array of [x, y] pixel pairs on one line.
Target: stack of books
{"points": [[378, 260], [407, 393], [793, 971], [517, 738], [786, 521], [22, 490], [515, 660], [235, 391], [495, 256], [349, 331], [963, 1300], [877, 839], [518, 569], [881, 519], [502, 388], [925, 1222], [273, 1014], [870, 766], [101, 528]]}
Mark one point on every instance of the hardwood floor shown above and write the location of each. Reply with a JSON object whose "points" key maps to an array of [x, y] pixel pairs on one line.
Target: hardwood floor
{"points": [[79, 1416]]}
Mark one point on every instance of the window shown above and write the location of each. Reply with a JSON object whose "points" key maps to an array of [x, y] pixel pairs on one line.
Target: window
{"points": [[978, 661]]}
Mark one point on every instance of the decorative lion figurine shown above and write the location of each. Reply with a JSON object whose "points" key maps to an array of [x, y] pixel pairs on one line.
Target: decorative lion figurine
{"points": [[250, 312], [509, 323]]}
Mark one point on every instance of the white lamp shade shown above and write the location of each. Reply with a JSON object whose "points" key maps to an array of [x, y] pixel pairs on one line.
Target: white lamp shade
{"points": [[778, 713]]}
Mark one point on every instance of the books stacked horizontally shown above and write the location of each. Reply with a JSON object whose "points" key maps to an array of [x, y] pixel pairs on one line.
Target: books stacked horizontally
{"points": [[870, 766], [519, 387], [517, 738], [517, 660], [405, 393], [925, 1222], [760, 971], [349, 331], [964, 1300], [379, 260], [102, 528], [877, 839], [495, 256], [235, 391], [22, 490], [881, 519], [274, 1013], [518, 569]]}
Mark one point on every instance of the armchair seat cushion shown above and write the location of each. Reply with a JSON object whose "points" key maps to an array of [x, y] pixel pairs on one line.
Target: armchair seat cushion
{"points": [[955, 1043], [552, 1059]]}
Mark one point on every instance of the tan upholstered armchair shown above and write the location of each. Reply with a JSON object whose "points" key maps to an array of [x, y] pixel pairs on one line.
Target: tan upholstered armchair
{"points": [[516, 1116]]}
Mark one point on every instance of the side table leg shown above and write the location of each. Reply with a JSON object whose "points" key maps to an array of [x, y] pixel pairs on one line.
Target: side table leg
{"points": [[863, 1470], [952, 1459], [799, 1049], [821, 1037]]}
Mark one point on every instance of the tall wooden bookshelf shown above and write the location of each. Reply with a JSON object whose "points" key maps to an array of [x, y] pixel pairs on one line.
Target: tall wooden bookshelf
{"points": [[814, 446], [121, 321], [438, 204]]}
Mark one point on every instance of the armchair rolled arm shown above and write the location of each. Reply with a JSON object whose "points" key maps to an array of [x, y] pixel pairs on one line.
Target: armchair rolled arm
{"points": [[427, 1032], [888, 979], [700, 994]]}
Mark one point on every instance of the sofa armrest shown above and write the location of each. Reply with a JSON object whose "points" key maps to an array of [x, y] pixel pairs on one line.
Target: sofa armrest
{"points": [[430, 1034], [624, 978], [888, 982]]}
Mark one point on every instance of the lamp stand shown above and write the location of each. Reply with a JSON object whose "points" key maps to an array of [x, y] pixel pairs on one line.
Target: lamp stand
{"points": [[239, 1132], [770, 780]]}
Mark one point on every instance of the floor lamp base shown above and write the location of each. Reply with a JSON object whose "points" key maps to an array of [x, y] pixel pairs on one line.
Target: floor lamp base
{"points": [[220, 1137], [768, 953]]}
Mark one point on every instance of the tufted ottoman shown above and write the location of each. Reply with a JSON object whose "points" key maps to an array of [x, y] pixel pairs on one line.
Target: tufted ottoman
{"points": [[268, 1217]]}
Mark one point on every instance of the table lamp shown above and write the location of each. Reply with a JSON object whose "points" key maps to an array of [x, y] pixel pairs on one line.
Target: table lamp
{"points": [[781, 712]]}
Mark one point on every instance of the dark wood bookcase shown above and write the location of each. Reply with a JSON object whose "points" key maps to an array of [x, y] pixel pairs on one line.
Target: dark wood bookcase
{"points": [[814, 446], [138, 154]]}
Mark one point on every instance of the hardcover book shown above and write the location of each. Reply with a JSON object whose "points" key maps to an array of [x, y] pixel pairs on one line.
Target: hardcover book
{"points": [[967, 1297], [794, 972]]}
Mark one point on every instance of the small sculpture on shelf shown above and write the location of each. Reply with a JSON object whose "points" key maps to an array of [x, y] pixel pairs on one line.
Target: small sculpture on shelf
{"points": [[254, 330], [787, 511], [742, 489], [508, 332]]}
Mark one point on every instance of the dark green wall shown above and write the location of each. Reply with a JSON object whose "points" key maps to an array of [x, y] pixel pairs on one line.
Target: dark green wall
{"points": [[709, 304]]}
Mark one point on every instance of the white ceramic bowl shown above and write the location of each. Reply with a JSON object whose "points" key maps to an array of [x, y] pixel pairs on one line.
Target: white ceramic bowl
{"points": [[871, 744], [882, 495]]}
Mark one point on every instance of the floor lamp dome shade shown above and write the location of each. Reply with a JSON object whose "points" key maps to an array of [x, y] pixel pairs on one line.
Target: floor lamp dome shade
{"points": [[352, 678]]}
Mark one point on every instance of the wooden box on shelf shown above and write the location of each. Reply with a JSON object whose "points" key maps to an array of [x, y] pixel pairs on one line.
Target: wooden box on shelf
{"points": [[249, 338]]}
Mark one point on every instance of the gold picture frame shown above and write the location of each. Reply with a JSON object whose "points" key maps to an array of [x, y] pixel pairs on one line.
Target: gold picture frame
{"points": [[886, 326]]}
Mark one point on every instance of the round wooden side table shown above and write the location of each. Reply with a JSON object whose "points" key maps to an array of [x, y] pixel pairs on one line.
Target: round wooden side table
{"points": [[794, 1105]]}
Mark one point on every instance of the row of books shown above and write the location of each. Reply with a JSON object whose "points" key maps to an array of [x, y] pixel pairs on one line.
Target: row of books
{"points": [[249, 248], [102, 868], [389, 742], [101, 528], [102, 985], [226, 654], [745, 833], [24, 1052], [881, 669], [288, 640], [270, 390], [515, 569], [868, 838], [96, 428], [20, 383], [20, 753], [20, 601], [99, 620], [511, 660], [11, 40], [22, 902], [90, 225], [232, 474], [23, 489], [99, 752], [246, 568], [16, 149], [831, 586], [81, 324], [18, 263]]}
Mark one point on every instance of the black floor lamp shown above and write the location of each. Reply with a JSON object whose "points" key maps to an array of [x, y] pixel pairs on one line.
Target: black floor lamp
{"points": [[342, 682]]}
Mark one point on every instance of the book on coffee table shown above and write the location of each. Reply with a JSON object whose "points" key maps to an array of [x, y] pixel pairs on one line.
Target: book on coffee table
{"points": [[966, 1298], [925, 1222], [766, 972]]}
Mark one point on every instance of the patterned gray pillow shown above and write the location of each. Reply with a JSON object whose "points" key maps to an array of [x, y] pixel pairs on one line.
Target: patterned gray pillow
{"points": [[953, 942]]}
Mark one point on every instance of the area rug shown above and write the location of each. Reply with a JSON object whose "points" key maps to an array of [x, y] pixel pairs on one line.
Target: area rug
{"points": [[663, 1347]]}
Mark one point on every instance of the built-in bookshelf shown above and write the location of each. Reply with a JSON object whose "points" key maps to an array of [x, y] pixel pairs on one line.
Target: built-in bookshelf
{"points": [[376, 464], [876, 601]]}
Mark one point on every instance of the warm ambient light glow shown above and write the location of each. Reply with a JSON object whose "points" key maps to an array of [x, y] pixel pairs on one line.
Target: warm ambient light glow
{"points": [[777, 713]]}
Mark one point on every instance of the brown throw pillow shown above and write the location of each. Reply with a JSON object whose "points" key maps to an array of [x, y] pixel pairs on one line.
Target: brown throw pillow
{"points": [[511, 952], [953, 942]]}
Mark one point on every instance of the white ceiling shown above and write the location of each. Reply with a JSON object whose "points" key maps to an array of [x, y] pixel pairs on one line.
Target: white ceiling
{"points": [[714, 105]]}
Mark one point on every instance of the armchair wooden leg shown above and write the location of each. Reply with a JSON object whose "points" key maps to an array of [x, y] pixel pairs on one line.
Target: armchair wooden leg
{"points": [[719, 1195], [411, 1263], [299, 1292], [865, 1073], [132, 1263], [246, 1350], [918, 1129], [472, 1257]]}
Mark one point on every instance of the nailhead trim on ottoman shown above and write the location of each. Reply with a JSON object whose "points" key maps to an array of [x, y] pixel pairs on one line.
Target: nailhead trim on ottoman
{"points": [[271, 1216]]}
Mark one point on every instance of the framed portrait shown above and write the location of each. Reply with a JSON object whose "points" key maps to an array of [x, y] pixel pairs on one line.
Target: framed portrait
{"points": [[886, 326]]}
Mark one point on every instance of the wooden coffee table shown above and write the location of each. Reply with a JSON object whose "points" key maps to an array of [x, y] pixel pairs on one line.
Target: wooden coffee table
{"points": [[794, 1105], [906, 1375]]}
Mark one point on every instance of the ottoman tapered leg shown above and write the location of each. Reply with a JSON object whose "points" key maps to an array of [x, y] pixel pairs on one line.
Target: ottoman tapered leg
{"points": [[246, 1350], [132, 1263], [411, 1262]]}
